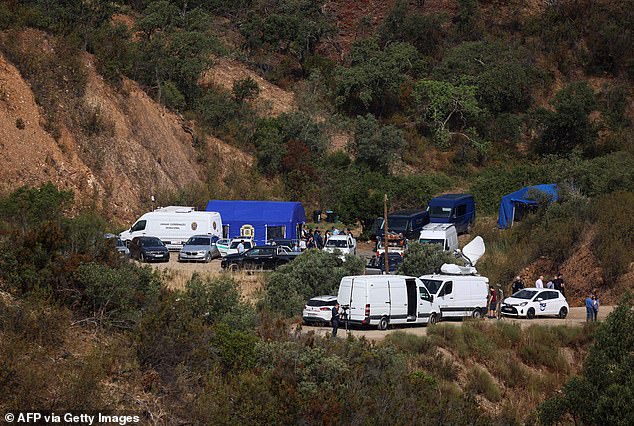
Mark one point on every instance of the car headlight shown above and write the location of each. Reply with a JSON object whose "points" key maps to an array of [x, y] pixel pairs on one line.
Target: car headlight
{"points": [[523, 304]]}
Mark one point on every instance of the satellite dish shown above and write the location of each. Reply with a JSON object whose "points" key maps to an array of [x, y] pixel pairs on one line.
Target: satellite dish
{"points": [[474, 250], [452, 269]]}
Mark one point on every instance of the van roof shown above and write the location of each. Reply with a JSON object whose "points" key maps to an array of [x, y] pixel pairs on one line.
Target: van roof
{"points": [[449, 199], [437, 227], [407, 212], [454, 277]]}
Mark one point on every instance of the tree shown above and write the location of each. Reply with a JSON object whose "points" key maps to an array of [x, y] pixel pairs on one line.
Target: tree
{"points": [[374, 145], [374, 78], [569, 126], [448, 110], [422, 259], [244, 89]]}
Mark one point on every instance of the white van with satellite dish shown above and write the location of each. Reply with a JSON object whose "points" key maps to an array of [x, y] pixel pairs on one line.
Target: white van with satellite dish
{"points": [[174, 225], [458, 290], [443, 234], [381, 300]]}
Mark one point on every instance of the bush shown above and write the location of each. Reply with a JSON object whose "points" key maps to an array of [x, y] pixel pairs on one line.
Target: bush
{"points": [[422, 259], [482, 383], [311, 274], [375, 146]]}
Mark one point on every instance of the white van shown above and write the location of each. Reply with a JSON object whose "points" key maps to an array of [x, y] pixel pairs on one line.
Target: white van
{"points": [[458, 290], [443, 234], [174, 225], [381, 300], [344, 243]]}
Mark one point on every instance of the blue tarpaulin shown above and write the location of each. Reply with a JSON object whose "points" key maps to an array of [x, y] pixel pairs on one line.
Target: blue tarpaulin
{"points": [[518, 198], [265, 219]]}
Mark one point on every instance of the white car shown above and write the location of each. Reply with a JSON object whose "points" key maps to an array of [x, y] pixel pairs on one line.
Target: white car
{"points": [[223, 245], [233, 247], [344, 243], [532, 302], [319, 309]]}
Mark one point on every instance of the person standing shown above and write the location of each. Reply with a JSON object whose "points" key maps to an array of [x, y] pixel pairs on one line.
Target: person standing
{"points": [[319, 242], [559, 284], [589, 308], [241, 247], [517, 285], [550, 285], [595, 307], [492, 303], [540, 282], [335, 319], [335, 231], [302, 244]]}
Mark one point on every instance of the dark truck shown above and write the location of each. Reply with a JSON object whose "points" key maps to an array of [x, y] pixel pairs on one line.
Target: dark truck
{"points": [[406, 222], [458, 209], [259, 258]]}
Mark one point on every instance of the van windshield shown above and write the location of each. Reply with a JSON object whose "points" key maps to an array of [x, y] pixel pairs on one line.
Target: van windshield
{"points": [[432, 241], [432, 285], [437, 211], [336, 243], [396, 223]]}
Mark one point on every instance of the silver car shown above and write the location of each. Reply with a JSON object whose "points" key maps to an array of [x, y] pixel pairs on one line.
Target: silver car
{"points": [[199, 248]]}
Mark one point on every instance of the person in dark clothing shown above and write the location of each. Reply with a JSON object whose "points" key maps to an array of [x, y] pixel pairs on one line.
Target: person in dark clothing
{"points": [[559, 284], [319, 242], [335, 319], [517, 285]]}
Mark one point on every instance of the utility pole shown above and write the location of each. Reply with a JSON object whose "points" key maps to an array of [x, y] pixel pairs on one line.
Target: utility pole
{"points": [[385, 232]]}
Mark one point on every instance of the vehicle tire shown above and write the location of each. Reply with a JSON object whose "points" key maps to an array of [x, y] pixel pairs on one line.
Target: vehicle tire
{"points": [[433, 320], [141, 258], [208, 258], [233, 267], [530, 314], [383, 323], [477, 313], [563, 312]]}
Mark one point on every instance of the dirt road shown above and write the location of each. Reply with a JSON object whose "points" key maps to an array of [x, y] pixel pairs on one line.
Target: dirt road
{"points": [[576, 317]]}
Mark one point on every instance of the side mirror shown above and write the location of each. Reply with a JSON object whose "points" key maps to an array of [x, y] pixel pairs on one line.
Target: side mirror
{"points": [[431, 298]]}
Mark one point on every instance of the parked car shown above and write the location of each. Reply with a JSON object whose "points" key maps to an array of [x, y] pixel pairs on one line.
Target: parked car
{"points": [[376, 265], [443, 234], [386, 299], [199, 248], [284, 242], [458, 209], [119, 245], [344, 243], [233, 247], [258, 258], [532, 302], [223, 246], [319, 309], [148, 249]]}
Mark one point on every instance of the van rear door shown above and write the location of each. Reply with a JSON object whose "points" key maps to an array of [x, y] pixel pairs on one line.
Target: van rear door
{"points": [[398, 299]]}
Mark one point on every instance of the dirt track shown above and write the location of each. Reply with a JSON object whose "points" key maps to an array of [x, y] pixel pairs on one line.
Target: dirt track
{"points": [[576, 317]]}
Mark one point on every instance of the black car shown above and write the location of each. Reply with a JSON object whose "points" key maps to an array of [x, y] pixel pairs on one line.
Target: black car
{"points": [[148, 249], [378, 263], [258, 258]]}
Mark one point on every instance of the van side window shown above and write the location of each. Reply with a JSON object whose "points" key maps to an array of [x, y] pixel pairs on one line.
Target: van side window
{"points": [[448, 288], [461, 210], [139, 226]]}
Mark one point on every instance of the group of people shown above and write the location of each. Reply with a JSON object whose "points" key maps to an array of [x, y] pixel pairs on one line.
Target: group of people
{"points": [[314, 239], [556, 283]]}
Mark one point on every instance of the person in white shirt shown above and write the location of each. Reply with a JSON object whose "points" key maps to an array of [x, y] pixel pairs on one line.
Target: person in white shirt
{"points": [[540, 282], [241, 247], [302, 245]]}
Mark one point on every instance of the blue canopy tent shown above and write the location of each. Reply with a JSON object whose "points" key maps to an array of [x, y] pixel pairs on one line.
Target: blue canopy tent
{"points": [[518, 200], [263, 220]]}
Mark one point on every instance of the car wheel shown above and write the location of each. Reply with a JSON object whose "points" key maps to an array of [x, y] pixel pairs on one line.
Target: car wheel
{"points": [[530, 314], [383, 323], [208, 258], [433, 319], [141, 258], [477, 313], [563, 312]]}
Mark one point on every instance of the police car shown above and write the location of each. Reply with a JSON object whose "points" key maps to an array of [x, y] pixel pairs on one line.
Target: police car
{"points": [[532, 302]]}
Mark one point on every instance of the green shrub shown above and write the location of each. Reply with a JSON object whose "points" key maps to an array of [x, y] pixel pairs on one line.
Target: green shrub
{"points": [[422, 259], [410, 343], [482, 383], [313, 273]]}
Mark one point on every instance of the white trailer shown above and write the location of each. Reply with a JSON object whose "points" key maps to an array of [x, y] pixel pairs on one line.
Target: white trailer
{"points": [[381, 300], [174, 225]]}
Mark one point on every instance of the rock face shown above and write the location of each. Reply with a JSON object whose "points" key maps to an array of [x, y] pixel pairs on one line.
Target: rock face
{"points": [[139, 149]]}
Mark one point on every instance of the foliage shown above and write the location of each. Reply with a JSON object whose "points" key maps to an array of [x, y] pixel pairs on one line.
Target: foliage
{"points": [[373, 80], [604, 391], [375, 146], [28, 207], [569, 126], [422, 259], [311, 274], [244, 89]]}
